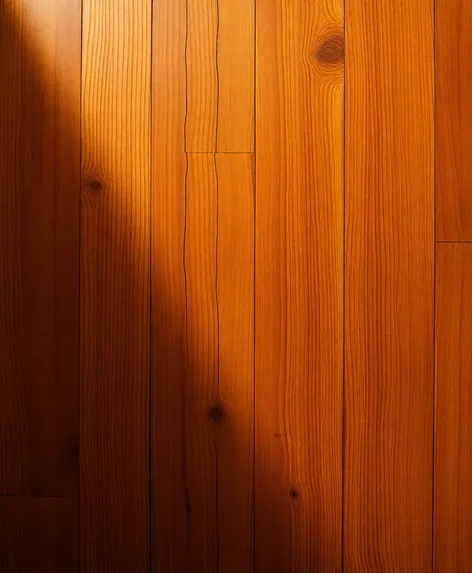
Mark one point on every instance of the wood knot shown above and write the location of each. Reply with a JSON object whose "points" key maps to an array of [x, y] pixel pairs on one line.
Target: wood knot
{"points": [[331, 51], [293, 493], [93, 186], [216, 414]]}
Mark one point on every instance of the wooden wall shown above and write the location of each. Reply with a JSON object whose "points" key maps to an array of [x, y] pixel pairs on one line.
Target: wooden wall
{"points": [[235, 286]]}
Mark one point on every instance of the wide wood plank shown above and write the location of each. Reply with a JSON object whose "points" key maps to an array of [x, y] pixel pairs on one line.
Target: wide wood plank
{"points": [[219, 49], [453, 431], [299, 284], [38, 535], [39, 213], [389, 286], [454, 119], [114, 290]]}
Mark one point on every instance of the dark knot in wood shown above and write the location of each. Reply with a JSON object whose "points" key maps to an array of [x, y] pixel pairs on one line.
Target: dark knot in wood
{"points": [[331, 51]]}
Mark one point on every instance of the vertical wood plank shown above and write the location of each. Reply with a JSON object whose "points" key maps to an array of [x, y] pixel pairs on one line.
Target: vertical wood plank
{"points": [[389, 286], [299, 284], [235, 61], [220, 76], [38, 534], [202, 76], [39, 173], [202, 408], [234, 435], [453, 436], [115, 297], [169, 497], [454, 119]]}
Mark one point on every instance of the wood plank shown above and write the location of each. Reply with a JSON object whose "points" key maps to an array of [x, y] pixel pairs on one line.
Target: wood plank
{"points": [[169, 505], [453, 431], [38, 534], [299, 284], [115, 295], [235, 60], [234, 434], [39, 173], [220, 75], [454, 119], [389, 286]]}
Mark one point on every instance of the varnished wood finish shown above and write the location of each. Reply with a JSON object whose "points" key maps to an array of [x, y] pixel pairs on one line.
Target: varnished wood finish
{"points": [[114, 287], [202, 327], [453, 437], [38, 535], [169, 498], [246, 296], [234, 433], [219, 57], [454, 119], [389, 286], [299, 285], [39, 193], [209, 495]]}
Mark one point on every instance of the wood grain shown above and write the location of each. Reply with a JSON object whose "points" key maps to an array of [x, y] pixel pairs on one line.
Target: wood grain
{"points": [[236, 60], [454, 119], [234, 434], [38, 534], [219, 49], [389, 286], [169, 500], [39, 173], [202, 470], [299, 285], [114, 293], [210, 493], [453, 430]]}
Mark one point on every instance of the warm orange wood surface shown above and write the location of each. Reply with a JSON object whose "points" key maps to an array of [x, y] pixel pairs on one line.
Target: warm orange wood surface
{"points": [[389, 289], [453, 436], [38, 535], [219, 219], [219, 58], [114, 287], [39, 179], [299, 285], [454, 119]]}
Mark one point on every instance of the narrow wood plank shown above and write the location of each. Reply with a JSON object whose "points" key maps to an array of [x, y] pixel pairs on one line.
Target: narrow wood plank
{"points": [[169, 498], [202, 76], [201, 401], [39, 173], [234, 435], [115, 297], [389, 286], [220, 75], [299, 285], [236, 60], [454, 119], [453, 431], [38, 534]]}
